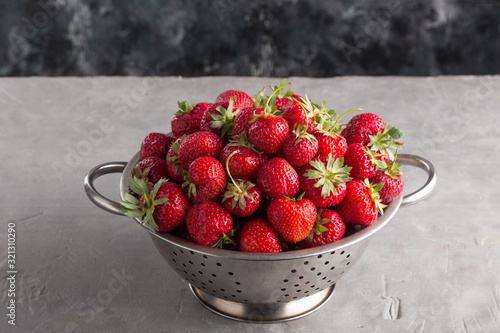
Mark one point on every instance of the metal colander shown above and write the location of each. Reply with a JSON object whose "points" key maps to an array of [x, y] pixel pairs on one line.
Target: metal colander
{"points": [[267, 287]]}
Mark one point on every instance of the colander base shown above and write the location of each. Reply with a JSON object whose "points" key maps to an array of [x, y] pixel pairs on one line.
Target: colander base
{"points": [[264, 312]]}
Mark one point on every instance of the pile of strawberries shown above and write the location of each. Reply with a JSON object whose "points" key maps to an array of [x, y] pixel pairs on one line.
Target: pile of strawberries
{"points": [[270, 173]]}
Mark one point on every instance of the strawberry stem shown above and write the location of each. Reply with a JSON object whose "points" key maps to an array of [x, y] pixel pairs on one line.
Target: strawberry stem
{"points": [[229, 173], [279, 88], [335, 124]]}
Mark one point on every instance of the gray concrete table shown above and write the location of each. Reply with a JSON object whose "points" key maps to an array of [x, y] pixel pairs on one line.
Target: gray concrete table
{"points": [[80, 269]]}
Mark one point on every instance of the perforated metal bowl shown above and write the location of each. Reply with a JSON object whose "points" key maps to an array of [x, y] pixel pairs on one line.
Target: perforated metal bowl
{"points": [[261, 287]]}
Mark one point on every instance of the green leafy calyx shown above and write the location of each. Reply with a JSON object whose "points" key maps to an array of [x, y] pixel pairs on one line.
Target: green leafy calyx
{"points": [[184, 108], [374, 189], [225, 239], [224, 118], [319, 227], [133, 207], [386, 139], [329, 175]]}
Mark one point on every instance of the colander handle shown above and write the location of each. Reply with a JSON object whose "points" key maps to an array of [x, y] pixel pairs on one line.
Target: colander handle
{"points": [[430, 184], [97, 198]]}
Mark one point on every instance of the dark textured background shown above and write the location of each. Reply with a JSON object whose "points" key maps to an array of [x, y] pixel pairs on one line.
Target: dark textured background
{"points": [[259, 38]]}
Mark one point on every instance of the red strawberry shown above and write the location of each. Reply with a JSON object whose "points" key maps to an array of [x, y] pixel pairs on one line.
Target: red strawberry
{"points": [[393, 184], [258, 235], [199, 144], [247, 162], [327, 229], [281, 102], [206, 179], [283, 99], [324, 184], [164, 208], [155, 144], [362, 161], [243, 119], [151, 169], [188, 119], [173, 164], [300, 147], [241, 99], [209, 224], [292, 218], [361, 126], [330, 143], [241, 197], [299, 111], [268, 132], [361, 203], [277, 178]]}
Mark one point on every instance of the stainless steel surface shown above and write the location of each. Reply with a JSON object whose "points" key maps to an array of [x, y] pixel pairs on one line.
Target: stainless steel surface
{"points": [[291, 278], [426, 189], [98, 199], [263, 312]]}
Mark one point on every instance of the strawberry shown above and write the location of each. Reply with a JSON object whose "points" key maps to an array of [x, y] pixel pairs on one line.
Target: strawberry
{"points": [[151, 169], [258, 235], [188, 119], [299, 111], [292, 218], [219, 119], [277, 178], [393, 184], [361, 126], [241, 197], [209, 224], [205, 179], [199, 144], [164, 207], [327, 229], [300, 147], [155, 144], [324, 184], [281, 102], [243, 119], [173, 164], [283, 99], [330, 144], [247, 162], [362, 161], [330, 141], [268, 132], [361, 204], [241, 99]]}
